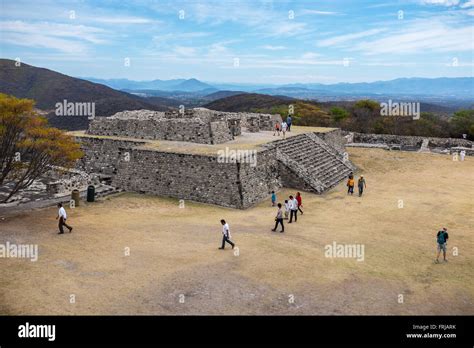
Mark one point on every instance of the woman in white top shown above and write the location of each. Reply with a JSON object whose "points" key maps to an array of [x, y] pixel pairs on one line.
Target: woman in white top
{"points": [[284, 127]]}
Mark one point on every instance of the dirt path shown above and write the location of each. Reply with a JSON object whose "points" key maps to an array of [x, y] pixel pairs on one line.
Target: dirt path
{"points": [[174, 266]]}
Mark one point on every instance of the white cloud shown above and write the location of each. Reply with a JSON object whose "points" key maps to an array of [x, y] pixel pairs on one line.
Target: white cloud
{"points": [[62, 37], [441, 2], [184, 51], [316, 12], [342, 39], [282, 29], [120, 20], [426, 36], [273, 48], [468, 4], [310, 55], [42, 41]]}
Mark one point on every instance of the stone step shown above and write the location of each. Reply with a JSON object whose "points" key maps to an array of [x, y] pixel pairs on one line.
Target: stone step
{"points": [[314, 161]]}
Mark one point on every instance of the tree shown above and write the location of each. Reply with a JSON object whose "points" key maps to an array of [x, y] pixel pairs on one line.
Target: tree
{"points": [[462, 122], [29, 147], [338, 114]]}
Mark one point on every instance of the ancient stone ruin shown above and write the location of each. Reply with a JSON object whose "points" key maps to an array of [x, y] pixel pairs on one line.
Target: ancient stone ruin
{"points": [[197, 125], [140, 151], [409, 143]]}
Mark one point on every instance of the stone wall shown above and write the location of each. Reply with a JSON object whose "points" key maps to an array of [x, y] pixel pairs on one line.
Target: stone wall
{"points": [[253, 124], [257, 182], [197, 125], [220, 132], [102, 155], [334, 138], [177, 129], [409, 142], [65, 180], [182, 176], [200, 177]]}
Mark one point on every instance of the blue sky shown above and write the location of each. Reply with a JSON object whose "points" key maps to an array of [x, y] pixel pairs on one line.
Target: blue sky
{"points": [[246, 41]]}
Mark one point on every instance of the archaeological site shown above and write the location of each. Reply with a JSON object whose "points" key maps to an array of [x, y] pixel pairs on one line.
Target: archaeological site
{"points": [[229, 159]]}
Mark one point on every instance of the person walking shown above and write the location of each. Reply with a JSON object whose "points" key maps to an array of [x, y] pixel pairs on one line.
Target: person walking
{"points": [[279, 219], [277, 129], [350, 185], [462, 154], [293, 209], [288, 122], [226, 235], [62, 216], [361, 185], [274, 198], [287, 209], [300, 202], [284, 127], [442, 240]]}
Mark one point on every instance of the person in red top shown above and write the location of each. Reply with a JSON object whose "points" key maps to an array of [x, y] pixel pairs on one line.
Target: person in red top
{"points": [[300, 202]]}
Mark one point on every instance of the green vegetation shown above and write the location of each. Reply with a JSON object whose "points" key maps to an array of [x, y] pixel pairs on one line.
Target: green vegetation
{"points": [[361, 116]]}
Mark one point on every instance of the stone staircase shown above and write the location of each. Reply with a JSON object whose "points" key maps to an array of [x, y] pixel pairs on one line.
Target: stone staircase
{"points": [[313, 161]]}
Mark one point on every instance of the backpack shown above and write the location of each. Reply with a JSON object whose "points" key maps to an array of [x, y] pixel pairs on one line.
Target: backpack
{"points": [[441, 237]]}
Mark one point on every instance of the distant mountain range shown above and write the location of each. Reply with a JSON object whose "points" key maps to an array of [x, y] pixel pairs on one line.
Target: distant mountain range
{"points": [[190, 85], [47, 87], [458, 87]]}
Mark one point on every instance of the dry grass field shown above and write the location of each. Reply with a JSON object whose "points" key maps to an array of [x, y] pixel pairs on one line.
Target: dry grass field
{"points": [[174, 266]]}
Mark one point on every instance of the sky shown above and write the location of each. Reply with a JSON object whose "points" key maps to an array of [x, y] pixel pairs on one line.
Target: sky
{"points": [[245, 41]]}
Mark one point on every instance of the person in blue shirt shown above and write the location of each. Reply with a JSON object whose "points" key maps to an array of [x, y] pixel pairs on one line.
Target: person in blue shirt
{"points": [[274, 198], [288, 122], [442, 239]]}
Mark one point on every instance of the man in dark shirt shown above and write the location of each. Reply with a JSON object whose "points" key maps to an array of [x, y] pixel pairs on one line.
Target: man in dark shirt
{"points": [[442, 239]]}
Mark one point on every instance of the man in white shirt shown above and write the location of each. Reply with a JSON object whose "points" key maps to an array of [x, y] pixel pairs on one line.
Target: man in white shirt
{"points": [[462, 155], [293, 208], [62, 219], [226, 235]]}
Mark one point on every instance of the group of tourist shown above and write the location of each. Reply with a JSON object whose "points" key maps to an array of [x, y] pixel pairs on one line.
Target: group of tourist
{"points": [[361, 185], [292, 206], [282, 127]]}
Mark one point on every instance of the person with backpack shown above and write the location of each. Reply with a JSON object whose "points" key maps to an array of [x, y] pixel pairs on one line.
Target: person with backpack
{"points": [[226, 235], [277, 128], [288, 122], [350, 185], [279, 219], [442, 239]]}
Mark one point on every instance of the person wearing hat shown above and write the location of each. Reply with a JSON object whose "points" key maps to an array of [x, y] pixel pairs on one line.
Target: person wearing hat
{"points": [[361, 185], [442, 239]]}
